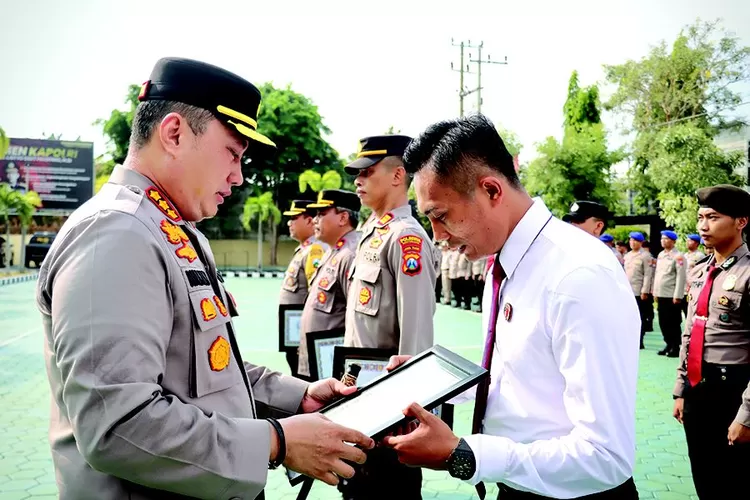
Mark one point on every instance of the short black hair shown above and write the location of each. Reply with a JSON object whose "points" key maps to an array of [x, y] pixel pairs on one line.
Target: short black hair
{"points": [[353, 216], [149, 114], [449, 148]]}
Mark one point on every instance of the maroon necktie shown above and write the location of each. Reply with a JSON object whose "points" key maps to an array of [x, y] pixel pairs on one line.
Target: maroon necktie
{"points": [[698, 330], [480, 404]]}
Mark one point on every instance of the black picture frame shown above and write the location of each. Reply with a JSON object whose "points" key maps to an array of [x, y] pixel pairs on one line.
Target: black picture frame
{"points": [[287, 312], [467, 375], [314, 341], [344, 354]]}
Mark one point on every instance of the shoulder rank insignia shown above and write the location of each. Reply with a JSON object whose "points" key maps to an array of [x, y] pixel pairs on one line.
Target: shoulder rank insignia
{"points": [[177, 236], [219, 354], [166, 207], [365, 294], [340, 243], [411, 249], [384, 220]]}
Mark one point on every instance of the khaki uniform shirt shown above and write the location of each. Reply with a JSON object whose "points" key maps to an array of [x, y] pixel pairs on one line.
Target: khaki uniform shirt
{"points": [[727, 334], [306, 259], [463, 266], [445, 260], [325, 307], [670, 276], [692, 258], [638, 270], [147, 387], [453, 264], [478, 267], [392, 299]]}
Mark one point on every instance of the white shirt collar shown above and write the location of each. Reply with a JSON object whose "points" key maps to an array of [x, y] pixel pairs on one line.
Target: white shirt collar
{"points": [[523, 235]]}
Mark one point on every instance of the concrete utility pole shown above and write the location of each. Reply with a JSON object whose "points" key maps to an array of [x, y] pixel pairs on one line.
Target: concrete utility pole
{"points": [[463, 91]]}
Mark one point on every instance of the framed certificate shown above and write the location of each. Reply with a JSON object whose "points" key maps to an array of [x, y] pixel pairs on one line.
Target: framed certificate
{"points": [[320, 347], [289, 318], [371, 361], [429, 379]]}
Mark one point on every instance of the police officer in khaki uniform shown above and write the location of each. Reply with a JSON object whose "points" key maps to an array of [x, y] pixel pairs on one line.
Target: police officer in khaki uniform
{"points": [[712, 393], [463, 276], [478, 268], [325, 307], [638, 270], [692, 256], [646, 246], [151, 398], [456, 282], [669, 291], [609, 242], [391, 302], [307, 256]]}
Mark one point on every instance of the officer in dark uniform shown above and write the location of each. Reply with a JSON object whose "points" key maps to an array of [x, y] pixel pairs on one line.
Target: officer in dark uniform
{"points": [[712, 394]]}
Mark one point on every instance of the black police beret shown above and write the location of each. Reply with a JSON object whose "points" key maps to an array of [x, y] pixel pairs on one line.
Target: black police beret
{"points": [[337, 198], [232, 99], [725, 199], [375, 148], [582, 210], [299, 207]]}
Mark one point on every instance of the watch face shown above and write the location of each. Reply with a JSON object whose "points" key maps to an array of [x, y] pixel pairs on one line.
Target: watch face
{"points": [[462, 464]]}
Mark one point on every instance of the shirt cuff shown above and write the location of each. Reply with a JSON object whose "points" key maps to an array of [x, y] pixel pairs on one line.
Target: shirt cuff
{"points": [[491, 456], [679, 389], [743, 417]]}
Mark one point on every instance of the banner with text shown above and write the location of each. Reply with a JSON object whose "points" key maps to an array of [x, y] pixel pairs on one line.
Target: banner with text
{"points": [[61, 172]]}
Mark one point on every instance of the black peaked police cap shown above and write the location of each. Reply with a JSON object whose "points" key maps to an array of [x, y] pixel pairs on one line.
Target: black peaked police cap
{"points": [[375, 148], [230, 98]]}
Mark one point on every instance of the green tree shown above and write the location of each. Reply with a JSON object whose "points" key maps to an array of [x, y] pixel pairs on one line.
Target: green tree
{"points": [[24, 205], [579, 167], [690, 82], [317, 182], [4, 142], [262, 208]]}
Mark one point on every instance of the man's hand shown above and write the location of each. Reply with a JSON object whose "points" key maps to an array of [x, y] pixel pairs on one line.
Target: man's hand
{"points": [[317, 447], [429, 445], [676, 301], [679, 405], [644, 296], [738, 433], [320, 393], [397, 361]]}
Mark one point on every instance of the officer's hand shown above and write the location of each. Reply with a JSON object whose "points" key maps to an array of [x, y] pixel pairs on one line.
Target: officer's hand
{"points": [[429, 445], [317, 447], [644, 296], [320, 393], [676, 301], [738, 433], [679, 404], [397, 361]]}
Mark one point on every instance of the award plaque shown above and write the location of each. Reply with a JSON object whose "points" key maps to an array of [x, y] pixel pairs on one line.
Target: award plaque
{"points": [[371, 361], [320, 348], [289, 318]]}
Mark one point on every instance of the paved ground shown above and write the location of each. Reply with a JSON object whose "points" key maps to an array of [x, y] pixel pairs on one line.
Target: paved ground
{"points": [[662, 469]]}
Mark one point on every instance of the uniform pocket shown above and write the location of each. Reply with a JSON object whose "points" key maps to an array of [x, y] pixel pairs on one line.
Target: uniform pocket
{"points": [[367, 291], [214, 367], [291, 280]]}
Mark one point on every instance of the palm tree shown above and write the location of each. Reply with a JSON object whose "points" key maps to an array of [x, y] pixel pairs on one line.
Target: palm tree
{"points": [[24, 205], [265, 208], [329, 180]]}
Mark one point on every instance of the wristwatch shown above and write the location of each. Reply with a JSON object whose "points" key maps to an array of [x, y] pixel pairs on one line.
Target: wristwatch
{"points": [[462, 464]]}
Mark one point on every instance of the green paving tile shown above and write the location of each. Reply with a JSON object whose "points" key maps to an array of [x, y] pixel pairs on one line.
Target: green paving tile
{"points": [[682, 470], [19, 484], [687, 487], [24, 474], [14, 495], [670, 495], [663, 478], [44, 489]]}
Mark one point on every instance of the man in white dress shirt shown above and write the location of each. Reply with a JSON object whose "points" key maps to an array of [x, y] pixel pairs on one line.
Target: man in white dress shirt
{"points": [[560, 405]]}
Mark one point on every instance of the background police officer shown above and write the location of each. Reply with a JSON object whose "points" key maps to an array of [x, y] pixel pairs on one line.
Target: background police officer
{"points": [[325, 307], [151, 398], [692, 256], [391, 302], [669, 291], [590, 216], [638, 270], [712, 393]]}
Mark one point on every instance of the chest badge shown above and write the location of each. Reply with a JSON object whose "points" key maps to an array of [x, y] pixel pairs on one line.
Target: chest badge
{"points": [[382, 230], [729, 282], [208, 310], [365, 295], [219, 354], [508, 311], [723, 300], [324, 282], [375, 242], [220, 306], [322, 297]]}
